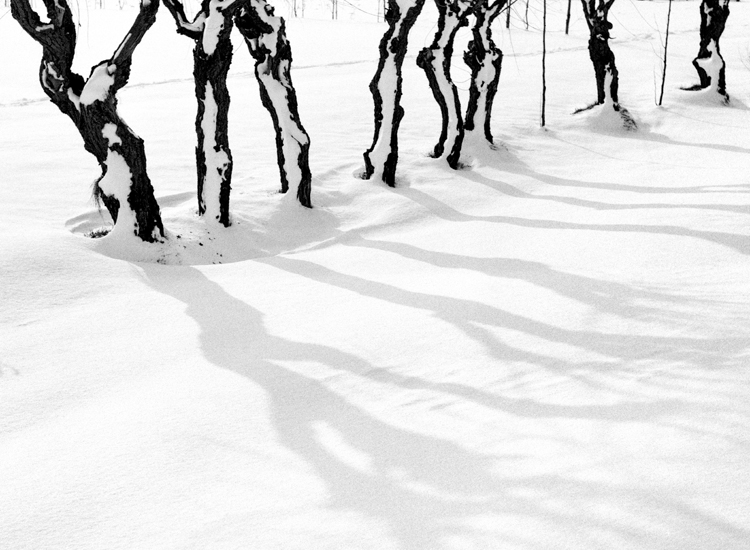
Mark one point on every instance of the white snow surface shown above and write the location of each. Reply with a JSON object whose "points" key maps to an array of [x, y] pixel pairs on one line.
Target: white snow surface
{"points": [[548, 349]]}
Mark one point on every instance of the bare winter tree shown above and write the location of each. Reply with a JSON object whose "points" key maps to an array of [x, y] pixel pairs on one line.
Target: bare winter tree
{"points": [[265, 36], [382, 156], [212, 56], [607, 80], [124, 186], [436, 63], [709, 63], [484, 59]]}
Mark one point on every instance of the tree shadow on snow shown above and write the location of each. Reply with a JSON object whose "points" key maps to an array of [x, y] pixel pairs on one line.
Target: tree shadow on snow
{"points": [[429, 490]]}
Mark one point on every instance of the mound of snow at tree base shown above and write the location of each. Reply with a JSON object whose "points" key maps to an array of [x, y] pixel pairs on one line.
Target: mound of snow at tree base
{"points": [[548, 349]]}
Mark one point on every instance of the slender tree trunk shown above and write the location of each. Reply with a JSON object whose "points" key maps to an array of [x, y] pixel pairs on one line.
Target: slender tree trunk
{"points": [[709, 63], [212, 57], [124, 186], [382, 156], [567, 18], [485, 60], [666, 44], [543, 120], [265, 36], [436, 63]]}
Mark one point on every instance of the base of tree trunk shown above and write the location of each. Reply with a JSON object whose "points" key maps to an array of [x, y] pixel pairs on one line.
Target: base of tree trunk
{"points": [[628, 122]]}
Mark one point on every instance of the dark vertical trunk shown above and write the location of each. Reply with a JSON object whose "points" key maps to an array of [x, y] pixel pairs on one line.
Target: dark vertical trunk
{"points": [[382, 156], [603, 59], [265, 36], [124, 186], [436, 63], [709, 63], [485, 60], [213, 155], [212, 57]]}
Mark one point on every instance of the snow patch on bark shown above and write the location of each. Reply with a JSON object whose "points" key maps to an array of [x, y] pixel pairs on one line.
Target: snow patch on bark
{"points": [[712, 65], [217, 159], [387, 86], [110, 134], [116, 183], [99, 84], [214, 24]]}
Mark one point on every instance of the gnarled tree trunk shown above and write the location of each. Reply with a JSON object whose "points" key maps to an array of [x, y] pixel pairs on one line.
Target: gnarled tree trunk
{"points": [[485, 60], [607, 79], [212, 56], [709, 63], [265, 36], [124, 186], [436, 63], [603, 59], [382, 156]]}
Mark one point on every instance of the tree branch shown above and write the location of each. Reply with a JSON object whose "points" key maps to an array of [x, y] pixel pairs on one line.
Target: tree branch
{"points": [[192, 29], [22, 12], [142, 23]]}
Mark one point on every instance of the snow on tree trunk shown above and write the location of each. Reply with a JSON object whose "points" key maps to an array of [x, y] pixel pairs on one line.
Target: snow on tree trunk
{"points": [[212, 57], [603, 59], [436, 63], [709, 63], [382, 156], [484, 59], [124, 186], [265, 36]]}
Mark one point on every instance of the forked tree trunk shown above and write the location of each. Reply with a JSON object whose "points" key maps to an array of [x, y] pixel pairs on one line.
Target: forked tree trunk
{"points": [[265, 36], [212, 57], [484, 59], [709, 63], [382, 156], [436, 63], [124, 186]]}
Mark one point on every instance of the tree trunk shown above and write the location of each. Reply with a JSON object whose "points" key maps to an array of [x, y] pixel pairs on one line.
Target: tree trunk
{"points": [[436, 63], [484, 59], [709, 63], [603, 59], [265, 36], [212, 57], [124, 186], [382, 156]]}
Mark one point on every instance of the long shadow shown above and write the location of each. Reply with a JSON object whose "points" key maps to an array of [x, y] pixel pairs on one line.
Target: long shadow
{"points": [[508, 162], [469, 315], [424, 488], [739, 243], [421, 486]]}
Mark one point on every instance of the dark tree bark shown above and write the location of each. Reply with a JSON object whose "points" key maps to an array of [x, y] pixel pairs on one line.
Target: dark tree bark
{"points": [[607, 79], [124, 186], [436, 63], [709, 63], [212, 57], [382, 156], [602, 57], [265, 36], [485, 60]]}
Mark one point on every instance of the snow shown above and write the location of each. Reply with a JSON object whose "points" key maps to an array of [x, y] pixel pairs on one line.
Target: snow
{"points": [[217, 159], [98, 84], [548, 349]]}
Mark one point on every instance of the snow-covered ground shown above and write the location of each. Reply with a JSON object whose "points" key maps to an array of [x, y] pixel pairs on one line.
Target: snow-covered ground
{"points": [[547, 350]]}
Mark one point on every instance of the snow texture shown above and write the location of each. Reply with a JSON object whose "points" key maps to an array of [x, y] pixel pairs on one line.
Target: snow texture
{"points": [[548, 349]]}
